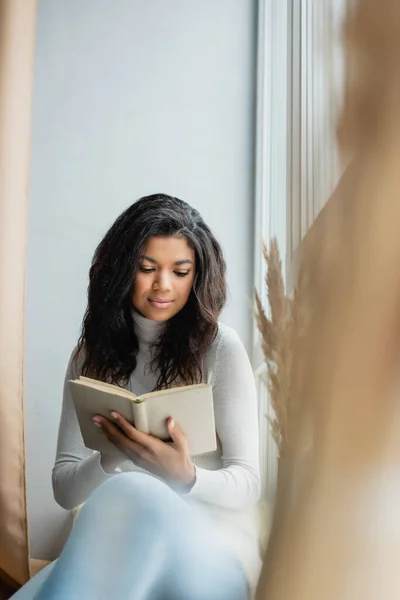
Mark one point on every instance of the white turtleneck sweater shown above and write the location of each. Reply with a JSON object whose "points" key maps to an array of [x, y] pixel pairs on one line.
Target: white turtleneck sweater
{"points": [[227, 481]]}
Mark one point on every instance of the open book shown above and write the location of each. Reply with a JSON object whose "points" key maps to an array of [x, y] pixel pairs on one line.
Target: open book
{"points": [[191, 406]]}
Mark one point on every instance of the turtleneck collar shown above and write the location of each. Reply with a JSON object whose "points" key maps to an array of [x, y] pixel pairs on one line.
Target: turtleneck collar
{"points": [[146, 330]]}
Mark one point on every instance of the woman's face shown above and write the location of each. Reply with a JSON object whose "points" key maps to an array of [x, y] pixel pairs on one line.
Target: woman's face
{"points": [[164, 278]]}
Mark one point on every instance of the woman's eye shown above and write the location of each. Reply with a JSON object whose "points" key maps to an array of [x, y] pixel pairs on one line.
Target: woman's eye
{"points": [[146, 269], [181, 273]]}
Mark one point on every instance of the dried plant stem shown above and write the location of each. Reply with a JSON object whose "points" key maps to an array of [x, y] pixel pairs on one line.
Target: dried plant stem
{"points": [[279, 334]]}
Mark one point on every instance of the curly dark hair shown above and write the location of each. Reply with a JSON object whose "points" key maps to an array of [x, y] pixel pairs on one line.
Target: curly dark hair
{"points": [[108, 341]]}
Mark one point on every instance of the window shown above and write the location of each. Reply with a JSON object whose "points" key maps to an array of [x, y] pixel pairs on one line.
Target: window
{"points": [[299, 80]]}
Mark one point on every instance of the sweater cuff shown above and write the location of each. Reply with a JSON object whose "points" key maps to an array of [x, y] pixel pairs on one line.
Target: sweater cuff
{"points": [[109, 463], [205, 483]]}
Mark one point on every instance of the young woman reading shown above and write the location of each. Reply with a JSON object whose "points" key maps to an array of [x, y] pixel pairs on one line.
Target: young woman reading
{"points": [[158, 524]]}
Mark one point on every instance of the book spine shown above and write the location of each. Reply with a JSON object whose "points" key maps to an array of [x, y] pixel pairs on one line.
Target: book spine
{"points": [[140, 417]]}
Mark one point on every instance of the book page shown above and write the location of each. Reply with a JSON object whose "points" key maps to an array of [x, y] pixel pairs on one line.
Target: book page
{"points": [[114, 389], [192, 408], [97, 400], [173, 390]]}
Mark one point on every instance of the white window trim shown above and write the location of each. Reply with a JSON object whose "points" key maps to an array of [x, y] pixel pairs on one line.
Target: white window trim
{"points": [[270, 189]]}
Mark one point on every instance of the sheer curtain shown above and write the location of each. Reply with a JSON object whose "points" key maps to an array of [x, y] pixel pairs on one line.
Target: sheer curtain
{"points": [[299, 86], [17, 38], [316, 76]]}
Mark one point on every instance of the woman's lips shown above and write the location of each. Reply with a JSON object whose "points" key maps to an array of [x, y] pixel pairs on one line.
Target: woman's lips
{"points": [[159, 303]]}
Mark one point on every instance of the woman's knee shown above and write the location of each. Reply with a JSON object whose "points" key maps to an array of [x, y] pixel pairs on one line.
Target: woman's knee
{"points": [[139, 486], [128, 494]]}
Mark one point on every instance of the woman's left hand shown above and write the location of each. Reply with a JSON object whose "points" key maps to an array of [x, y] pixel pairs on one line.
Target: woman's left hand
{"points": [[170, 461]]}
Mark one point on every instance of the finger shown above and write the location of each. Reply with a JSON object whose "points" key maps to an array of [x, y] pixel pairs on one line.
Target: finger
{"points": [[177, 435], [118, 437], [144, 439]]}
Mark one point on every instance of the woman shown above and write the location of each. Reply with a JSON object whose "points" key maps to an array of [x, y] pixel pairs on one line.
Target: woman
{"points": [[156, 523]]}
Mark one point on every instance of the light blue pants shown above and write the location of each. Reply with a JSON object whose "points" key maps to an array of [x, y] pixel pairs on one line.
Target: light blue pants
{"points": [[136, 539]]}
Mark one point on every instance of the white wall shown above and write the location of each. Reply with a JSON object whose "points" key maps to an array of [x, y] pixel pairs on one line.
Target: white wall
{"points": [[131, 97]]}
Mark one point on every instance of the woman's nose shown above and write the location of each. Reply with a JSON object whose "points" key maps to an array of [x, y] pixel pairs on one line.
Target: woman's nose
{"points": [[162, 282]]}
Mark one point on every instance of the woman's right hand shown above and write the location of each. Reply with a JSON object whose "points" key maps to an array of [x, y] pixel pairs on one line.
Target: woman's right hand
{"points": [[170, 461]]}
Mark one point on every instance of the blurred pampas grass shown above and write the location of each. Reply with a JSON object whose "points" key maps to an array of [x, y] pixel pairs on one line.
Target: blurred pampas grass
{"points": [[281, 331]]}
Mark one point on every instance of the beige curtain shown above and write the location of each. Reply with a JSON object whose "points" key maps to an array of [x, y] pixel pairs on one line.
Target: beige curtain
{"points": [[341, 539], [17, 39]]}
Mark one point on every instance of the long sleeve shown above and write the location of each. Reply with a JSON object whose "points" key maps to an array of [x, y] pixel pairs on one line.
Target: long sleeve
{"points": [[77, 470], [237, 484]]}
